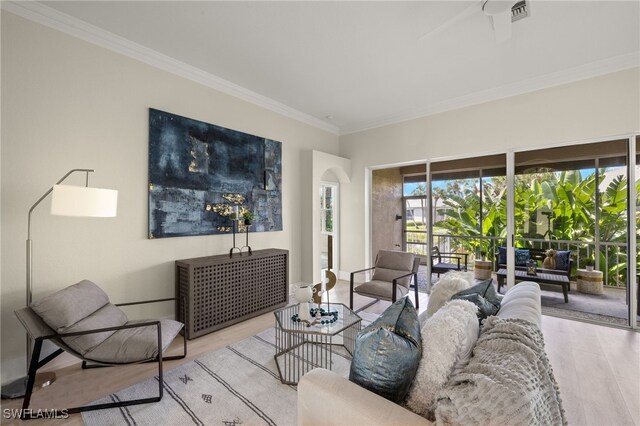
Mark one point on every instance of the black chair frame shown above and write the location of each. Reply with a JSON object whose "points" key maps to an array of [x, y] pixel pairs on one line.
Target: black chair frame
{"points": [[393, 289], [35, 364], [457, 257]]}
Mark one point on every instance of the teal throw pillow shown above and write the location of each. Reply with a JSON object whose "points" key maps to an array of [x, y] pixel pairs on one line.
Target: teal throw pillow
{"points": [[388, 352], [484, 296], [522, 257]]}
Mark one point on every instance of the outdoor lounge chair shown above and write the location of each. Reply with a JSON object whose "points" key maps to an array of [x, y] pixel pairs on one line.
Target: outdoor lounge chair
{"points": [[442, 262], [391, 278], [80, 320]]}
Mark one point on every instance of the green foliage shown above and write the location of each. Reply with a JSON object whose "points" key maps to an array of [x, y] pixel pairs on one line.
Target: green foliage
{"points": [[565, 200]]}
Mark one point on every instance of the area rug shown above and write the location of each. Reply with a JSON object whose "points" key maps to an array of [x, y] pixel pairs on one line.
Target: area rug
{"points": [[238, 384]]}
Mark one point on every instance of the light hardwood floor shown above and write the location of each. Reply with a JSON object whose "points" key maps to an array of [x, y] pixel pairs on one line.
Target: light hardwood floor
{"points": [[597, 368]]}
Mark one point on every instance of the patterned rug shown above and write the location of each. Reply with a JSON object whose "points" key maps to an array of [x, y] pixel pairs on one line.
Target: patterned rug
{"points": [[236, 385]]}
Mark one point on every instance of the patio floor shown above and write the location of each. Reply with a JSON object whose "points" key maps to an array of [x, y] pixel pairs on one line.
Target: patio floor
{"points": [[609, 307]]}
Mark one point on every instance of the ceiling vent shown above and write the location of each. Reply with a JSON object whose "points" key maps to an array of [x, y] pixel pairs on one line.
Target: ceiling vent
{"points": [[520, 10]]}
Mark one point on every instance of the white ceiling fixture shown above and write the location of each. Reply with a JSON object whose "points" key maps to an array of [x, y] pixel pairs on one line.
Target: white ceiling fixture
{"points": [[365, 63], [500, 13]]}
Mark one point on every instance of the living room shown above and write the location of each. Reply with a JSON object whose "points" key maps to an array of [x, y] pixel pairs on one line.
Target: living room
{"points": [[76, 95]]}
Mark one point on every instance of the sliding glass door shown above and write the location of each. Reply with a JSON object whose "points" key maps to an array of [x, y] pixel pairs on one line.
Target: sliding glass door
{"points": [[571, 217]]}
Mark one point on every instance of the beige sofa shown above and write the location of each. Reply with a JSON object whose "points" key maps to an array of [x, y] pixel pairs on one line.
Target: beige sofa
{"points": [[325, 398]]}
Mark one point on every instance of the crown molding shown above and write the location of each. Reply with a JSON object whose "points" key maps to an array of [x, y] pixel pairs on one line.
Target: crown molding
{"points": [[52, 18], [583, 72]]}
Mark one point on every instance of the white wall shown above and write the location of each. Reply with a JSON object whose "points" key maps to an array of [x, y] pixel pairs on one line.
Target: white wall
{"points": [[597, 107], [66, 104]]}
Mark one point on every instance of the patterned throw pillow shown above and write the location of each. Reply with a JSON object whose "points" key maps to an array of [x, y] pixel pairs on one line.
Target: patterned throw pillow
{"points": [[522, 257], [563, 259], [502, 255], [388, 351]]}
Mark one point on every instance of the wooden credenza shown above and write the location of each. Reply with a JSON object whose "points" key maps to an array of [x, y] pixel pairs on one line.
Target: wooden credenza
{"points": [[218, 291]]}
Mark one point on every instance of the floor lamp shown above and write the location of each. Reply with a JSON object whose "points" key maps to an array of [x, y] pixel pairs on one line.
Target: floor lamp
{"points": [[78, 201]]}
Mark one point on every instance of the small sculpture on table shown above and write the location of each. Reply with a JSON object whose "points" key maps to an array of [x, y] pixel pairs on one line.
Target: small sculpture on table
{"points": [[303, 295]]}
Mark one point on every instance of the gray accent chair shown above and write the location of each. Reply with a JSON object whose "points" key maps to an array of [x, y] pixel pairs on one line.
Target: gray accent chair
{"points": [[391, 278], [80, 320]]}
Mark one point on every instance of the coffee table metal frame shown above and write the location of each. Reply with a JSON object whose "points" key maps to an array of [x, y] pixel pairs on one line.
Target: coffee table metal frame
{"points": [[300, 349]]}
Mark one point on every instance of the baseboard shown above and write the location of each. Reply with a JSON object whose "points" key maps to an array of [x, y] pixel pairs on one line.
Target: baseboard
{"points": [[344, 275]]}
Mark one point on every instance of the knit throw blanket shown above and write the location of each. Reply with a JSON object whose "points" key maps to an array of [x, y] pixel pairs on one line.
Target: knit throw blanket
{"points": [[508, 381]]}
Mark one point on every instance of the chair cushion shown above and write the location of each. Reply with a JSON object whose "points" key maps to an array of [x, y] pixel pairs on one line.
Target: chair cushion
{"points": [[384, 274], [134, 344], [448, 338], [484, 296], [398, 260], [107, 316], [393, 264], [69, 305], [387, 352], [450, 284], [380, 290]]}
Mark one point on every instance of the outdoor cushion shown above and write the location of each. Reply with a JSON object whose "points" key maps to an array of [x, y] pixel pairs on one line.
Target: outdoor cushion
{"points": [[563, 259], [387, 352], [379, 289], [522, 256], [134, 344], [69, 305], [107, 316]]}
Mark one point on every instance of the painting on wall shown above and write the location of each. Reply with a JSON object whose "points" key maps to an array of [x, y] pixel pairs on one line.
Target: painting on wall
{"points": [[201, 174]]}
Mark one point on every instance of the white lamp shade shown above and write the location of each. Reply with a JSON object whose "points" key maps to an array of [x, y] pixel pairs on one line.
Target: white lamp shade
{"points": [[83, 201]]}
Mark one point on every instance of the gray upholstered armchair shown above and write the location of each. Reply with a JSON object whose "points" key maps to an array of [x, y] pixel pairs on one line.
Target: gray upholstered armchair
{"points": [[391, 279], [80, 320]]}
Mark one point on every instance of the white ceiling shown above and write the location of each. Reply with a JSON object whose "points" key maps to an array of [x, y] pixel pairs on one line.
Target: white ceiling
{"points": [[371, 63]]}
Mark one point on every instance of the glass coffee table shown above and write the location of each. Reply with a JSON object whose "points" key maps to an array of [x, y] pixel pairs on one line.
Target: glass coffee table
{"points": [[301, 348]]}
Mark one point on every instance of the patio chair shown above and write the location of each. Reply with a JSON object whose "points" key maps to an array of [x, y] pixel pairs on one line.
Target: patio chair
{"points": [[442, 262], [391, 279], [80, 320]]}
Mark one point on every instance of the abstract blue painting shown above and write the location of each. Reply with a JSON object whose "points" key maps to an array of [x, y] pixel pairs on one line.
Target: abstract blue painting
{"points": [[201, 174]]}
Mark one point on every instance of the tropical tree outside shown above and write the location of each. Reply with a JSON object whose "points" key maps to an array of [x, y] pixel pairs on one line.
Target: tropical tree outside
{"points": [[548, 206]]}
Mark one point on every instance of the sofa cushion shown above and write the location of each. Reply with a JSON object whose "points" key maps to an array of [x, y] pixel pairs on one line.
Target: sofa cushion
{"points": [[69, 305], [448, 338], [387, 352], [522, 302], [135, 344], [484, 296], [450, 284]]}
